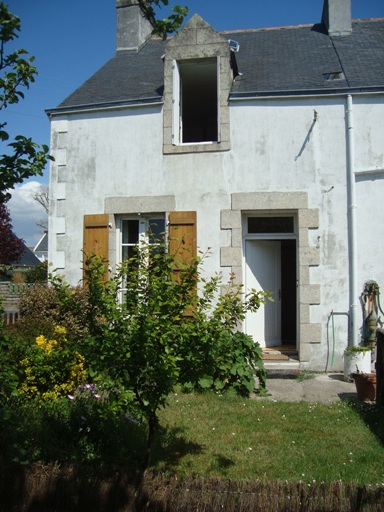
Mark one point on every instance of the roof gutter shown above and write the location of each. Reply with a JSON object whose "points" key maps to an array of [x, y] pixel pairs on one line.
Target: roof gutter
{"points": [[97, 107], [246, 96]]}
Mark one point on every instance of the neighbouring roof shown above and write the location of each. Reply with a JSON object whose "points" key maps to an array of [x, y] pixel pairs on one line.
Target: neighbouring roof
{"points": [[27, 259], [279, 61], [42, 244]]}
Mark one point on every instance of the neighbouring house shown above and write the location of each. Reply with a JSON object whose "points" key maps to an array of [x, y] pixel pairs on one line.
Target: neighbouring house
{"points": [[265, 146], [41, 248], [27, 260]]}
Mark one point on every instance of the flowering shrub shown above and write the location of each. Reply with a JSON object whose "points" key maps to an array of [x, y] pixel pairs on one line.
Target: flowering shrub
{"points": [[51, 368], [42, 307]]}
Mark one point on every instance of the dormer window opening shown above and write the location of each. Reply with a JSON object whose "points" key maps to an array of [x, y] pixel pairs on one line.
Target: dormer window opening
{"points": [[196, 101]]}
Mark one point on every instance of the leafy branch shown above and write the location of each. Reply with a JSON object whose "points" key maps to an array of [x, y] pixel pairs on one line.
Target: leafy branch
{"points": [[166, 26], [24, 157]]}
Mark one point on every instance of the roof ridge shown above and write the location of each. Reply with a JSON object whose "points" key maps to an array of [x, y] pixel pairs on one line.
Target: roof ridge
{"points": [[265, 29], [287, 27]]}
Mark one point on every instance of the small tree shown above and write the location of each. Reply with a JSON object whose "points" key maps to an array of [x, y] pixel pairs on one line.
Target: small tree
{"points": [[11, 247], [42, 198], [151, 331]]}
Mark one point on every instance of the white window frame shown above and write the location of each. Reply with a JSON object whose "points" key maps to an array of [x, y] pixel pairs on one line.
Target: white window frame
{"points": [[177, 115], [144, 222], [143, 236]]}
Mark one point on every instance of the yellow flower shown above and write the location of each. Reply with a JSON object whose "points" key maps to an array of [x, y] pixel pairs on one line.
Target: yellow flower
{"points": [[50, 345], [41, 341], [61, 331]]}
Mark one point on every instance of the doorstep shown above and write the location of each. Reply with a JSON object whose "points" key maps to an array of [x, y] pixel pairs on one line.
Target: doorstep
{"points": [[281, 359]]}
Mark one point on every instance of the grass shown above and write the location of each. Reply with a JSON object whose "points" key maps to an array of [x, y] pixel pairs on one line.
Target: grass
{"points": [[209, 436], [304, 375], [226, 436]]}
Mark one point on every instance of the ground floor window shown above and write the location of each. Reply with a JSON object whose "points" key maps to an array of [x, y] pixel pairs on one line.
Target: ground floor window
{"points": [[139, 230]]}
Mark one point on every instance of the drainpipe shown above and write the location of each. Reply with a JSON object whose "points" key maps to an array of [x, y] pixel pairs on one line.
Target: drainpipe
{"points": [[353, 309]]}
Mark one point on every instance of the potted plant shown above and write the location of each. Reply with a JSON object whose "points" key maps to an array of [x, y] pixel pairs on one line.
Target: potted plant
{"points": [[357, 359], [365, 386], [357, 367]]}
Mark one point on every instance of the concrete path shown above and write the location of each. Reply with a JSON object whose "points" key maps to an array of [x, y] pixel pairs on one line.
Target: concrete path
{"points": [[323, 387]]}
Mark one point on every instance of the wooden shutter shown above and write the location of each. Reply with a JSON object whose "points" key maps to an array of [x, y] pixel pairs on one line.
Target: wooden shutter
{"points": [[183, 241], [182, 235], [95, 237]]}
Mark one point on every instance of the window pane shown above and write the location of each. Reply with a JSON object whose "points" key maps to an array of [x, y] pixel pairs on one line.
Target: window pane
{"points": [[128, 251], [270, 225], [130, 231], [156, 230]]}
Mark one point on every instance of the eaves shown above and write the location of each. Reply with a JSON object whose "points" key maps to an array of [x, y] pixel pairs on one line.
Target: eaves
{"points": [[342, 91], [96, 107]]}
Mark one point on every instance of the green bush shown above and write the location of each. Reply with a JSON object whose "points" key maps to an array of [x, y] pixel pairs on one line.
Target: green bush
{"points": [[86, 429], [51, 368], [163, 332], [163, 329], [37, 274], [43, 307]]}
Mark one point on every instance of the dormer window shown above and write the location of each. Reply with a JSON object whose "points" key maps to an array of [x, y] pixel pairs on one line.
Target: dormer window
{"points": [[196, 101], [198, 74]]}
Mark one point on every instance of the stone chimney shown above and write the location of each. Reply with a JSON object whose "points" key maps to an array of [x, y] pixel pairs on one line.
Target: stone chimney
{"points": [[337, 17], [132, 28]]}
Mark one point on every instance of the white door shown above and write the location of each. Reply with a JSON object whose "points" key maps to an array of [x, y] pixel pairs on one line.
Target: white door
{"points": [[263, 272]]}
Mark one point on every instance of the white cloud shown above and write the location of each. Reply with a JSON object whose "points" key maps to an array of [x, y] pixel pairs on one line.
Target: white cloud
{"points": [[26, 212]]}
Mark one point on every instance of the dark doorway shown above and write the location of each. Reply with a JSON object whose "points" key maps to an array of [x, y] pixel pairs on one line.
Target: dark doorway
{"points": [[288, 292]]}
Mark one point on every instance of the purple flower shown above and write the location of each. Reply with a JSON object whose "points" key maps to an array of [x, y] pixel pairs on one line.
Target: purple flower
{"points": [[70, 397], [130, 419]]}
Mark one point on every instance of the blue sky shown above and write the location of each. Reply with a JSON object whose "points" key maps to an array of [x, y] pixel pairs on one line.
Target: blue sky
{"points": [[72, 39]]}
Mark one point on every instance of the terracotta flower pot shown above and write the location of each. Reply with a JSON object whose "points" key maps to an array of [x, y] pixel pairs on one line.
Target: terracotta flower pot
{"points": [[365, 386]]}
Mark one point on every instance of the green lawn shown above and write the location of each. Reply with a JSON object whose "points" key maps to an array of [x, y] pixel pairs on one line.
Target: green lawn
{"points": [[206, 436], [227, 436]]}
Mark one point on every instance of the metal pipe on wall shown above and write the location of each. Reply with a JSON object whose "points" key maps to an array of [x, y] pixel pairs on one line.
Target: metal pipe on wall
{"points": [[353, 295]]}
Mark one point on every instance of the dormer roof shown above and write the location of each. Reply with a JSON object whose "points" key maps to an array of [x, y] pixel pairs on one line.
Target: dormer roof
{"points": [[191, 31]]}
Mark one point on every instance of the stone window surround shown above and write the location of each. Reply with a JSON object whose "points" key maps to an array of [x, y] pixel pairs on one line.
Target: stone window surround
{"points": [[197, 40], [307, 218]]}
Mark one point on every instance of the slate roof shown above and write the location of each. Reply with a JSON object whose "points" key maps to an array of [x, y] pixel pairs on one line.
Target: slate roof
{"points": [[280, 61], [27, 259]]}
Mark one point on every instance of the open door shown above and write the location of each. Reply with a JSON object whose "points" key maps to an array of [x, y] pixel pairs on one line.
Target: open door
{"points": [[271, 266], [263, 272]]}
